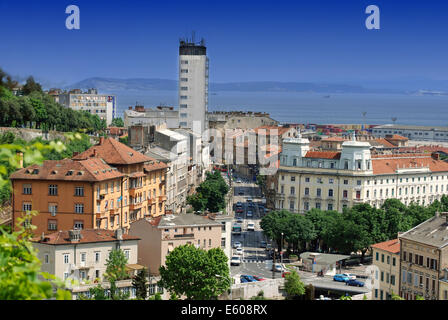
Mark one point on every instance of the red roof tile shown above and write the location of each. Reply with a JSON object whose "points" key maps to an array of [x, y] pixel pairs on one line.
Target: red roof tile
{"points": [[113, 152], [93, 169], [323, 155], [392, 246], [87, 236], [386, 164]]}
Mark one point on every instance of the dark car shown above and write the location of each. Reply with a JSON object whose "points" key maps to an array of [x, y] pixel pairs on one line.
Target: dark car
{"points": [[248, 278], [354, 283]]}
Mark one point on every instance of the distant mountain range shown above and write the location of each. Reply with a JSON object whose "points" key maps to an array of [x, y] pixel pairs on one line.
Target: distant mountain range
{"points": [[140, 84], [403, 86]]}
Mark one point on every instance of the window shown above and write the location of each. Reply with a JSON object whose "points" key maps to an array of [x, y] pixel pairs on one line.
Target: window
{"points": [[307, 179], [83, 257], [183, 105], [26, 206], [78, 225], [79, 207], [392, 279], [345, 194], [306, 206], [97, 256], [330, 207], [27, 189], [52, 225], [53, 190], [209, 242], [388, 259], [183, 70], [293, 178], [318, 192], [358, 182], [393, 261], [66, 258], [152, 289], [345, 181], [293, 190], [46, 258], [127, 254], [330, 192], [291, 205], [79, 191], [382, 275], [382, 258], [377, 256], [307, 191], [52, 208]]}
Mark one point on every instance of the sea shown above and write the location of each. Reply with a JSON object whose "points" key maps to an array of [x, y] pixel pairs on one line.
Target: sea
{"points": [[321, 108]]}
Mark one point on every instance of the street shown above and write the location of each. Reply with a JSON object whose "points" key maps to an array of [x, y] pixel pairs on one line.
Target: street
{"points": [[254, 258]]}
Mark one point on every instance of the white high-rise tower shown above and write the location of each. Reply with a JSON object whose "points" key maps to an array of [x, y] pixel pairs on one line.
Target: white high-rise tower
{"points": [[193, 85]]}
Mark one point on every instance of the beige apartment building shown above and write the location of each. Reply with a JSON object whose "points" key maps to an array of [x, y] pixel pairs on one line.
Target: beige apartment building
{"points": [[423, 259], [159, 236], [386, 257], [332, 180], [81, 254]]}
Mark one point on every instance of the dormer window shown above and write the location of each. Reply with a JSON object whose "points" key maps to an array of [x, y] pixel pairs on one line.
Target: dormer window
{"points": [[69, 173]]}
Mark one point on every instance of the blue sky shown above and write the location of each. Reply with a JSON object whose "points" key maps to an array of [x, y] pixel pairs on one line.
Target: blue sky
{"points": [[319, 41]]}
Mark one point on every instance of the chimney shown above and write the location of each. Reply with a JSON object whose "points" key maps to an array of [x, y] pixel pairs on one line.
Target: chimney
{"points": [[119, 234], [75, 154], [74, 235], [101, 140], [435, 156]]}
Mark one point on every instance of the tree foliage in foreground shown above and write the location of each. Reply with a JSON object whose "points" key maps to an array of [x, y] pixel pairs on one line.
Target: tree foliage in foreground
{"points": [[195, 273]]}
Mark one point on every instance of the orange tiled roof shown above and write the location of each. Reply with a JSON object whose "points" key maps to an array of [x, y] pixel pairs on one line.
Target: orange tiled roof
{"points": [[155, 165], [386, 164], [93, 169], [424, 149], [323, 154], [113, 152], [392, 246], [385, 143], [87, 236], [398, 137]]}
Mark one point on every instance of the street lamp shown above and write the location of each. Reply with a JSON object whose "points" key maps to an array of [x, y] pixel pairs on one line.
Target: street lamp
{"points": [[281, 250], [230, 283]]}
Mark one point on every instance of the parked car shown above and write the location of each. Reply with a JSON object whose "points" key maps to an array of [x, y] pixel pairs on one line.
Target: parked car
{"points": [[285, 273], [248, 278], [277, 267], [259, 278], [239, 220], [235, 261], [239, 251], [236, 245], [243, 280], [340, 278], [263, 244], [249, 213], [239, 210], [350, 275], [251, 226], [239, 205], [355, 283], [241, 193]]}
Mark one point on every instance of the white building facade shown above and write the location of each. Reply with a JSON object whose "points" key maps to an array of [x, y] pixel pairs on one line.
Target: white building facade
{"points": [[334, 180], [193, 85], [102, 105]]}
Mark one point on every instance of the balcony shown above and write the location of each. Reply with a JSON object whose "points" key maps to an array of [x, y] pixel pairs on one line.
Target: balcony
{"points": [[151, 201], [134, 206], [162, 198], [345, 199], [358, 200], [85, 264], [184, 235]]}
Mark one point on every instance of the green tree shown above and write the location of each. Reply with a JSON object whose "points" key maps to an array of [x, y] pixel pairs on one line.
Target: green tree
{"points": [[117, 122], [259, 296], [274, 224], [346, 297], [31, 86], [116, 266], [293, 285], [139, 282], [195, 273]]}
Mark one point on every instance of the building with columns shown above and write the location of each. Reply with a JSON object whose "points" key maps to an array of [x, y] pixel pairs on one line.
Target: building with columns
{"points": [[332, 180]]}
